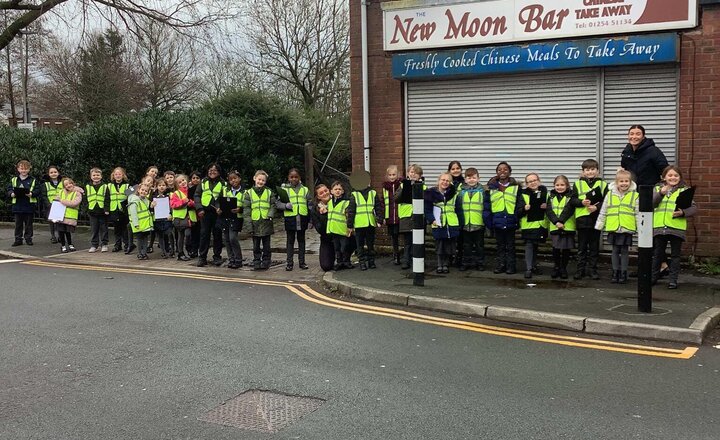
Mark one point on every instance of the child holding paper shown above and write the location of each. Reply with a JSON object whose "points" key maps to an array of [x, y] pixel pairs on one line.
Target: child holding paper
{"points": [[445, 220], [162, 219], [670, 222], [69, 197]]}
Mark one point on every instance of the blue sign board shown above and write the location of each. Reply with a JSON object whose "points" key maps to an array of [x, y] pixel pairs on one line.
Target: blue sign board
{"points": [[634, 49]]}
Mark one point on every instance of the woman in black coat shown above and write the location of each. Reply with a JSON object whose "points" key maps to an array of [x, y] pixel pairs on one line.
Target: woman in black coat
{"points": [[642, 158]]}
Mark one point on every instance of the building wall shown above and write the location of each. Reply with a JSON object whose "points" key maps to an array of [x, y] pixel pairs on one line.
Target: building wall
{"points": [[699, 115], [699, 134]]}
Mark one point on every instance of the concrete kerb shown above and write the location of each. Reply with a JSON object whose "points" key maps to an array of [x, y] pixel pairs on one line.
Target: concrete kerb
{"points": [[10, 254], [693, 335]]}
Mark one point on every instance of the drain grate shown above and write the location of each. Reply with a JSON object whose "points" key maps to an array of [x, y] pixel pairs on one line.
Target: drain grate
{"points": [[262, 411]]}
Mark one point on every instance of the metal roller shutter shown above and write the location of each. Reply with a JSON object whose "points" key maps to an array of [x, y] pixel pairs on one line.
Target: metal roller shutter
{"points": [[639, 95], [544, 122]]}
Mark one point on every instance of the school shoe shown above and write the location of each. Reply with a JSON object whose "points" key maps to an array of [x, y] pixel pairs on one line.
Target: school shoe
{"points": [[288, 267], [265, 265], [594, 274], [439, 269], [462, 268], [615, 277], [71, 248], [446, 269], [405, 266], [363, 266], [150, 250], [116, 248], [164, 256], [672, 285], [303, 266], [371, 264], [579, 275], [143, 257], [396, 259], [348, 265], [511, 271], [528, 274], [563, 273], [217, 262], [92, 249], [104, 248], [64, 249], [53, 240], [499, 269], [555, 274], [183, 257], [338, 266], [623, 277], [17, 243], [201, 262], [29, 242], [193, 255]]}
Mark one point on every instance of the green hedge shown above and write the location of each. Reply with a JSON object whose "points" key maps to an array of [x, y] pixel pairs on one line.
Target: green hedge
{"points": [[244, 131]]}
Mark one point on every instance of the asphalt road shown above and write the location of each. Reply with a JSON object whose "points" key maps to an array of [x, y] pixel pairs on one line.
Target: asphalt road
{"points": [[92, 354]]}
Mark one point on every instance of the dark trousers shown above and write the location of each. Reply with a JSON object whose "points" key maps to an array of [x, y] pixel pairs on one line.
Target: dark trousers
{"points": [[183, 235], [142, 242], [365, 240], [53, 229], [193, 245], [659, 246], [24, 226], [230, 229], [98, 230], [120, 231], [166, 240], [506, 258], [341, 244], [210, 225], [588, 250], [444, 250], [561, 258], [531, 251], [473, 248], [291, 235], [407, 251], [394, 233], [261, 251]]}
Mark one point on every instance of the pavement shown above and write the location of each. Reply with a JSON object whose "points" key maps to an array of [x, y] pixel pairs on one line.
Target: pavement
{"points": [[685, 315]]}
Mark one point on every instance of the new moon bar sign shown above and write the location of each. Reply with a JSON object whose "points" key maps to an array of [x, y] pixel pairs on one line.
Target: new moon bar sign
{"points": [[634, 49], [408, 27]]}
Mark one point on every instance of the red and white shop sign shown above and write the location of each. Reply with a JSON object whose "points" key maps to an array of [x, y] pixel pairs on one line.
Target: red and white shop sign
{"points": [[497, 21]]}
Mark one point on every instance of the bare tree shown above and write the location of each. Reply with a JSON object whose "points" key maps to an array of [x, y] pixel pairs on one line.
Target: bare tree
{"points": [[303, 44], [167, 63], [222, 72], [178, 14]]}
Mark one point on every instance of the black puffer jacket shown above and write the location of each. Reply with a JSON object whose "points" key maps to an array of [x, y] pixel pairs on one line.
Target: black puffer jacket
{"points": [[646, 163]]}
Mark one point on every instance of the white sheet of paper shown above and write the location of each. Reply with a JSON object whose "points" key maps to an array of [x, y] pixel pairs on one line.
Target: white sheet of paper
{"points": [[162, 208], [437, 213], [57, 212]]}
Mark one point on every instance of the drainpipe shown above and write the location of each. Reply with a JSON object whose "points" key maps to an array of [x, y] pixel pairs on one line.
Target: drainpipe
{"points": [[365, 98]]}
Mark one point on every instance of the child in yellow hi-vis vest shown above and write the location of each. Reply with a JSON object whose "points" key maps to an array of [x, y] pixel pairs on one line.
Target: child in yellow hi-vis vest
{"points": [[69, 196], [23, 192], [364, 213], [141, 220], [560, 212], [337, 226], [296, 213], [259, 211], [669, 222], [618, 217]]}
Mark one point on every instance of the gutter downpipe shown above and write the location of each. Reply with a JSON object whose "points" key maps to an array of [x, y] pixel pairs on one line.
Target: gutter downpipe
{"points": [[365, 97]]}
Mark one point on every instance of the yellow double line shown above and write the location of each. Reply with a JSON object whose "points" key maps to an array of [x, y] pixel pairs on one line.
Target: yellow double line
{"points": [[307, 293]]}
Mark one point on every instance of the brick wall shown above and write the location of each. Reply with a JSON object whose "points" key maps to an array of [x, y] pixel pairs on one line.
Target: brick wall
{"points": [[699, 125], [699, 143]]}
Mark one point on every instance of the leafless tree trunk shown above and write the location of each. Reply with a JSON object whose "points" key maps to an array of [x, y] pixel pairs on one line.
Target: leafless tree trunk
{"points": [[305, 45]]}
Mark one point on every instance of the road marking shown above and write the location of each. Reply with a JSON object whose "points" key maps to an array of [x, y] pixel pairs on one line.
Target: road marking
{"points": [[9, 261], [305, 292]]}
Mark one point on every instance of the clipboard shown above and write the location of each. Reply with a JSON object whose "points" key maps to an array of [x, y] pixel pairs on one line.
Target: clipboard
{"points": [[20, 191], [282, 194], [595, 196], [685, 198], [162, 208], [227, 204], [57, 212], [536, 212]]}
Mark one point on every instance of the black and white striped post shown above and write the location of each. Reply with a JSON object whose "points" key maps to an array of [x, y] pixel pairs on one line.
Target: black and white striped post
{"points": [[645, 248], [418, 235]]}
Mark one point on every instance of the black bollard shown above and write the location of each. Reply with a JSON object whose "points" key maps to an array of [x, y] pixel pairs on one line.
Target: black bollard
{"points": [[645, 249], [418, 241]]}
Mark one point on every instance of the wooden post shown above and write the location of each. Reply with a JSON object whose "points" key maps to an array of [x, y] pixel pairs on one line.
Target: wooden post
{"points": [[309, 167]]}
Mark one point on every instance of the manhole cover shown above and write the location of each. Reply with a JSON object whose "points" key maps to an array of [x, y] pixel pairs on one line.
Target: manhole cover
{"points": [[262, 411], [626, 309]]}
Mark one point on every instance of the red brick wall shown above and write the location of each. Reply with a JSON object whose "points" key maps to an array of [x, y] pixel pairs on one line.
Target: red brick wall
{"points": [[699, 125], [699, 143]]}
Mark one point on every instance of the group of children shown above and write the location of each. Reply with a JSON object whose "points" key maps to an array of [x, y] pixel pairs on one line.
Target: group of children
{"points": [[462, 212], [459, 210]]}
